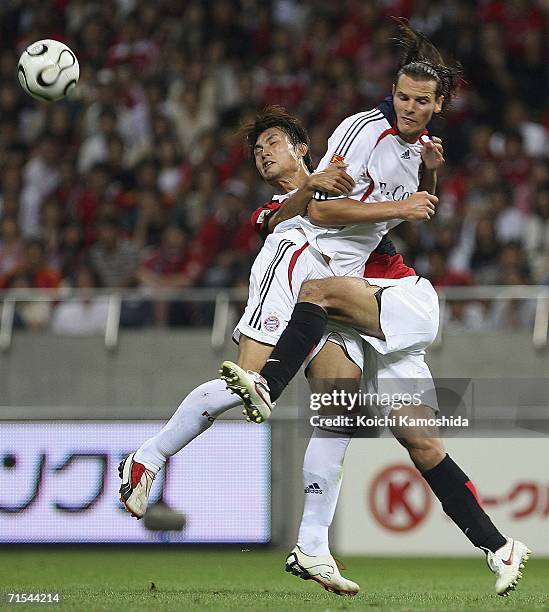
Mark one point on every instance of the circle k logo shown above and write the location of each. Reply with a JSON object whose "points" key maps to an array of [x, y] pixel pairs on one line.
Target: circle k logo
{"points": [[399, 498]]}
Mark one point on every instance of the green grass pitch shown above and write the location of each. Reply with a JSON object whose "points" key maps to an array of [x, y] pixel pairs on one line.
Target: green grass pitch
{"points": [[189, 579]]}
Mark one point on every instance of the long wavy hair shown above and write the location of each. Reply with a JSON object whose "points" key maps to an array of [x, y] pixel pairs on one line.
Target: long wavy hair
{"points": [[421, 60]]}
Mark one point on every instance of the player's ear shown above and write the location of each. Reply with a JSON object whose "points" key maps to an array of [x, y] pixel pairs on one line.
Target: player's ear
{"points": [[393, 89], [301, 149], [438, 104]]}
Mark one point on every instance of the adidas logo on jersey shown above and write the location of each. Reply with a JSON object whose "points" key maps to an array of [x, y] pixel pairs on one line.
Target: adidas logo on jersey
{"points": [[406, 154], [313, 488]]}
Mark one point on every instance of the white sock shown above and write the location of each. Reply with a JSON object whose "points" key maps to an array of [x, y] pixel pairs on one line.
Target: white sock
{"points": [[195, 414], [322, 472]]}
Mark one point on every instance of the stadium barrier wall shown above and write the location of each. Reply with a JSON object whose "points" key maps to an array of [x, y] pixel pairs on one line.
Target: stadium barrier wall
{"points": [[154, 369]]}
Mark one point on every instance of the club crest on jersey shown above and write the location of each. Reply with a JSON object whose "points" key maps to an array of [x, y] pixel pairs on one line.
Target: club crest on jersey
{"points": [[337, 159], [271, 323]]}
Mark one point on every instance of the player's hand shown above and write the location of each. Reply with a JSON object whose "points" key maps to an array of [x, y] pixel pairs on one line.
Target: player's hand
{"points": [[418, 207], [432, 153], [333, 180]]}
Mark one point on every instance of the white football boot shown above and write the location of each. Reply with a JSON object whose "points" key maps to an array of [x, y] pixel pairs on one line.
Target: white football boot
{"points": [[322, 569], [252, 388], [136, 486], [506, 564]]}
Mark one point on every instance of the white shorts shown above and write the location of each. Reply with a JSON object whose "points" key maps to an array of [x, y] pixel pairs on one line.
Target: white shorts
{"points": [[284, 263], [393, 375], [409, 319], [409, 314]]}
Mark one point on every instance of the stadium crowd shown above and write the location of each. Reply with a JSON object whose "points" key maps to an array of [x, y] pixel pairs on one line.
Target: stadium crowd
{"points": [[139, 179]]}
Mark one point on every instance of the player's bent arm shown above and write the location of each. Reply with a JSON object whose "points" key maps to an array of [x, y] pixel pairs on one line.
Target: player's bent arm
{"points": [[347, 211], [333, 180]]}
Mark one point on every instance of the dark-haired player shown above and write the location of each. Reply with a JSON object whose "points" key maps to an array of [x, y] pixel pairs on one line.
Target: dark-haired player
{"points": [[384, 149]]}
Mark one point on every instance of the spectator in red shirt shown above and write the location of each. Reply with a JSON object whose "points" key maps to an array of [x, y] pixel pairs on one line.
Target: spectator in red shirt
{"points": [[226, 241], [283, 86], [36, 268], [32, 273], [441, 276], [515, 165], [170, 266], [91, 198]]}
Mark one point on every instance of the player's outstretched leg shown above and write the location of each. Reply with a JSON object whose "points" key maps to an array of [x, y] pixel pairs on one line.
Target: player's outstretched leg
{"points": [[322, 569], [303, 332], [348, 300], [506, 564], [194, 416]]}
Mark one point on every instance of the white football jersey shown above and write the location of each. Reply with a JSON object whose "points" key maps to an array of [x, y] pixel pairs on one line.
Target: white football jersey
{"points": [[384, 167]]}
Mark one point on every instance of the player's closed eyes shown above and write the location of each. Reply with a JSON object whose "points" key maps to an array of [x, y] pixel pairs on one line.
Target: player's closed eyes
{"points": [[405, 98], [258, 150]]}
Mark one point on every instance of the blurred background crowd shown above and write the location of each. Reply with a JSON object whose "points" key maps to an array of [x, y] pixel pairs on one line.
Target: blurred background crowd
{"points": [[139, 179]]}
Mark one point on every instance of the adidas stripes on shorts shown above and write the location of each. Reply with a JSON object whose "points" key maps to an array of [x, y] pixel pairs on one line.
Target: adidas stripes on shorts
{"points": [[284, 263]]}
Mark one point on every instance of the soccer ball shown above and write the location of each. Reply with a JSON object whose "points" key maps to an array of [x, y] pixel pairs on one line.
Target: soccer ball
{"points": [[48, 70]]}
